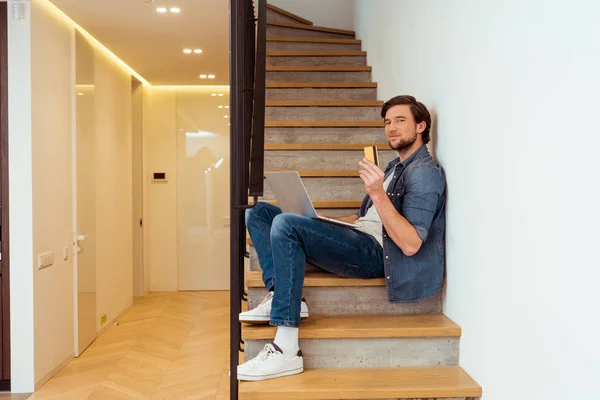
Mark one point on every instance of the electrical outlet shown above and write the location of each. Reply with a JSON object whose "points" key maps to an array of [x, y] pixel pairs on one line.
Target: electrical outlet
{"points": [[45, 260], [103, 319]]}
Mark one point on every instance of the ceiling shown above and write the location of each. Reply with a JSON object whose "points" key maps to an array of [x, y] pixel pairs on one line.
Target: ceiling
{"points": [[152, 43]]}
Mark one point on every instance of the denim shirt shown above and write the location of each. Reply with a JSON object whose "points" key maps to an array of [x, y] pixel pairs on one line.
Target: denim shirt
{"points": [[418, 192]]}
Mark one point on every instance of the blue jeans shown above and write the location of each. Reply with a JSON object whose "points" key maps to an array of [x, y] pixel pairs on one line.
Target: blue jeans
{"points": [[284, 242]]}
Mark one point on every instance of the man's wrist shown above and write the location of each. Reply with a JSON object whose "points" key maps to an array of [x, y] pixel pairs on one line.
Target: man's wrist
{"points": [[379, 196]]}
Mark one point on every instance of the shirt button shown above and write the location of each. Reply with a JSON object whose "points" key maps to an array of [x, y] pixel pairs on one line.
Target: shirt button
{"points": [[387, 257], [388, 277]]}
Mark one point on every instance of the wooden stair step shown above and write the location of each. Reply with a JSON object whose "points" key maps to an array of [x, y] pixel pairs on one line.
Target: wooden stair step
{"points": [[365, 326], [317, 279], [311, 28], [329, 203], [289, 14], [320, 68], [324, 103], [324, 173], [323, 124], [295, 39], [315, 53], [328, 85], [366, 383], [322, 146]]}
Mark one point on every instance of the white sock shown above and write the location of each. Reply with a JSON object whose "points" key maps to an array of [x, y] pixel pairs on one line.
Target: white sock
{"points": [[287, 339]]}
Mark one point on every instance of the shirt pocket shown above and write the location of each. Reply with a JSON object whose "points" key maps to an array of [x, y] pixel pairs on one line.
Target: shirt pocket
{"points": [[397, 197]]}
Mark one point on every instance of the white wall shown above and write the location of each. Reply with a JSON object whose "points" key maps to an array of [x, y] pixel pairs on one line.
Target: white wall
{"points": [[21, 208], [330, 13], [515, 89]]}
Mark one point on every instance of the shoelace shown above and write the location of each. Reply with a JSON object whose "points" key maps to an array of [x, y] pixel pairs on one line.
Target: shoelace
{"points": [[265, 300], [265, 354]]}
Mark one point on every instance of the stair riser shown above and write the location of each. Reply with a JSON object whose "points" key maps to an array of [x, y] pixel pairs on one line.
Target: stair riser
{"points": [[346, 188], [317, 61], [322, 113], [322, 94], [285, 31], [319, 159], [325, 135], [318, 76], [305, 46], [371, 353], [275, 16], [353, 300]]}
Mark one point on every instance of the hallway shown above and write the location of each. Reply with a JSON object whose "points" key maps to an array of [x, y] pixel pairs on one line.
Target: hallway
{"points": [[167, 346]]}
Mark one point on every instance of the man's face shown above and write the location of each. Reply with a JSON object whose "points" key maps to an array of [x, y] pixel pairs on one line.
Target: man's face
{"points": [[400, 127]]}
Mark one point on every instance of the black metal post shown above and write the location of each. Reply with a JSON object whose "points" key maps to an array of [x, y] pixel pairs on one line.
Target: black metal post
{"points": [[238, 191]]}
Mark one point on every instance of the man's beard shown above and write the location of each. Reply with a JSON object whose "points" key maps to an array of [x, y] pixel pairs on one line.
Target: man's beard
{"points": [[403, 144]]}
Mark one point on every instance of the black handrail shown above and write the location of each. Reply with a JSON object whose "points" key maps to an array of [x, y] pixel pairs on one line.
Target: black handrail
{"points": [[247, 94]]}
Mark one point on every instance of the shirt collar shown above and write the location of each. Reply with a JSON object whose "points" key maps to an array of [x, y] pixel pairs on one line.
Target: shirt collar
{"points": [[417, 155]]}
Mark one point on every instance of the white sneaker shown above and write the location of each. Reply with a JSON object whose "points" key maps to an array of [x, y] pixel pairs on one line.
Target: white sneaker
{"points": [[270, 363], [261, 314]]}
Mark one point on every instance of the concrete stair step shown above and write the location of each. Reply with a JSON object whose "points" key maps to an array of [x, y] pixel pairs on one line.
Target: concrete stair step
{"points": [[329, 294], [279, 15], [336, 73], [323, 135], [418, 383], [306, 43], [320, 156], [321, 91], [277, 28], [368, 341], [323, 110], [329, 188], [316, 58]]}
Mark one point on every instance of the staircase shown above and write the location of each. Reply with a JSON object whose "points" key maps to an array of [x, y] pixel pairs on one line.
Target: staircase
{"points": [[321, 111]]}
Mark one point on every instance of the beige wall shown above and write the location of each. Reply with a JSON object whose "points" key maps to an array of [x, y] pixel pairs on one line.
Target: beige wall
{"points": [[53, 94], [114, 262], [51, 108]]}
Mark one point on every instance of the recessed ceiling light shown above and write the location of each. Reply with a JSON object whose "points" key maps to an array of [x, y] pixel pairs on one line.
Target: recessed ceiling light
{"points": [[175, 10], [202, 76], [197, 51], [211, 76], [80, 94], [226, 106], [220, 94], [220, 106], [161, 10], [225, 116], [187, 51], [213, 94]]}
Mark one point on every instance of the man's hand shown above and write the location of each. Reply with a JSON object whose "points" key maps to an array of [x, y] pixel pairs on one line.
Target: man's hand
{"points": [[373, 178]]}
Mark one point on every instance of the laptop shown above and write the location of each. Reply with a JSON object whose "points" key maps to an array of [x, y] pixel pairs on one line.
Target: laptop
{"points": [[291, 196]]}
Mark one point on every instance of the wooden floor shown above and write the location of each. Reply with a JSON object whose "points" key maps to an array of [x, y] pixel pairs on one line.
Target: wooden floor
{"points": [[171, 346]]}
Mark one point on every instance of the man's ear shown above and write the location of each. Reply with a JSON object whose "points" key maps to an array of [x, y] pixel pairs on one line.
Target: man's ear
{"points": [[421, 127]]}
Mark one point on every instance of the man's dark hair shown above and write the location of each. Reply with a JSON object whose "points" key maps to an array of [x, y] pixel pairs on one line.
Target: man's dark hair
{"points": [[418, 110]]}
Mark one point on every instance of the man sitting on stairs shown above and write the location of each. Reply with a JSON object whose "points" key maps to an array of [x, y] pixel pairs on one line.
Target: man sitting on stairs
{"points": [[399, 235]]}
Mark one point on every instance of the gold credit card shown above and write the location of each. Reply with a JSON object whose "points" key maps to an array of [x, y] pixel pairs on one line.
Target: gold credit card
{"points": [[372, 155]]}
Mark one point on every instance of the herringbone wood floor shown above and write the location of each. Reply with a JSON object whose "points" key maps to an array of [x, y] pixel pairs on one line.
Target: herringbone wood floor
{"points": [[167, 346]]}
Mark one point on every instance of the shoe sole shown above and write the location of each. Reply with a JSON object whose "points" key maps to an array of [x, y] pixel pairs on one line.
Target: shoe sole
{"points": [[265, 320], [272, 376]]}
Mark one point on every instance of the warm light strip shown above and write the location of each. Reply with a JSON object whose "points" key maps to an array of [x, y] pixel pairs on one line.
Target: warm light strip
{"points": [[60, 14], [215, 87]]}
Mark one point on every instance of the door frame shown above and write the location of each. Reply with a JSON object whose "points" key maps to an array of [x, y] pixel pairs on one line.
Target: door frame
{"points": [[4, 221]]}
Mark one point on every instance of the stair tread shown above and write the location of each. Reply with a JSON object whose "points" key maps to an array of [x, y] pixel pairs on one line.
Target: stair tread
{"points": [[324, 146], [315, 53], [300, 39], [364, 326], [324, 124], [366, 383], [289, 14], [329, 85], [355, 204], [310, 28], [317, 279], [324, 103], [320, 68], [321, 173]]}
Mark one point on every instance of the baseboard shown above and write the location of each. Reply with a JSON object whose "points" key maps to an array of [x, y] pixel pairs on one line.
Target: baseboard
{"points": [[53, 372], [111, 322]]}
